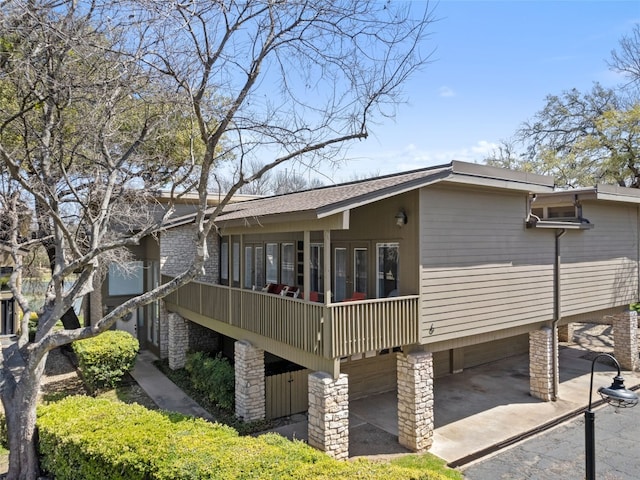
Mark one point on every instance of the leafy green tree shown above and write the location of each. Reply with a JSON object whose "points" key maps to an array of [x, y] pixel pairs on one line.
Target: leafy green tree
{"points": [[580, 139]]}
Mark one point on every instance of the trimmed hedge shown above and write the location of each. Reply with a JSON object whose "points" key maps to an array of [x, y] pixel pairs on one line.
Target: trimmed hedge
{"points": [[104, 359], [84, 438], [213, 377]]}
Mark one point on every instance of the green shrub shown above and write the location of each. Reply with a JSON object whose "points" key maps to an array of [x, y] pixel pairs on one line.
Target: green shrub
{"points": [[84, 438], [212, 376], [103, 360]]}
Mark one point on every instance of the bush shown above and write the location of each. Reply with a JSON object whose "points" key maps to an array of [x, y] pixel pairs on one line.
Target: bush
{"points": [[87, 438], [214, 377], [103, 360]]}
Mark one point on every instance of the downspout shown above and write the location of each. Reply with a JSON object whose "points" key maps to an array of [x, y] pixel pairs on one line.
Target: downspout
{"points": [[557, 315]]}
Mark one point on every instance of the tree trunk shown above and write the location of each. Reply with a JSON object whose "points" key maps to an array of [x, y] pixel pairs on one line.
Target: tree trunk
{"points": [[20, 410]]}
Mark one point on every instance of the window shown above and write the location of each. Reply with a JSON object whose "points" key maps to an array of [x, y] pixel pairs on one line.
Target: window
{"points": [[340, 274], [236, 263], [126, 280], [224, 262], [317, 267], [248, 266], [288, 264], [557, 212], [388, 263], [272, 263], [260, 277], [360, 270]]}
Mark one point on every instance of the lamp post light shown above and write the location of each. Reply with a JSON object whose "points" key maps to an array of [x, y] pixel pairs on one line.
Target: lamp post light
{"points": [[615, 395]]}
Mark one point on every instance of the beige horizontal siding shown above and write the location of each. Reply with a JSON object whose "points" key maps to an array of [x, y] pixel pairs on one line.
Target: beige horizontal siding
{"points": [[600, 266], [481, 269]]}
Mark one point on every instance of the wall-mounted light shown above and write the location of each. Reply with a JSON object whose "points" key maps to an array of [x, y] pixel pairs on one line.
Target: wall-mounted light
{"points": [[401, 218]]}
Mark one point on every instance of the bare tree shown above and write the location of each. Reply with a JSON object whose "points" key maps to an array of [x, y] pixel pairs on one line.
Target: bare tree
{"points": [[102, 103], [626, 60]]}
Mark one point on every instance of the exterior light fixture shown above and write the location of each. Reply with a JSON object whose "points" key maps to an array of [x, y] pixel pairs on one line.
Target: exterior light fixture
{"points": [[401, 218], [615, 395]]}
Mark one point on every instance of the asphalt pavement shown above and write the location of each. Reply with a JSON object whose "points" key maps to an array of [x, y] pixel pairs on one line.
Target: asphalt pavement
{"points": [[560, 453]]}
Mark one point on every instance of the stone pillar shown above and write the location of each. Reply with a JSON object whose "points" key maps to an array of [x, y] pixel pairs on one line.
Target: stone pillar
{"points": [[163, 337], [565, 333], [178, 341], [625, 340], [250, 389], [415, 400], [541, 363], [329, 414]]}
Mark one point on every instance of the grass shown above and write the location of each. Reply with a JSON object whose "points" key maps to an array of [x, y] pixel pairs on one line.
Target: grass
{"points": [[429, 463]]}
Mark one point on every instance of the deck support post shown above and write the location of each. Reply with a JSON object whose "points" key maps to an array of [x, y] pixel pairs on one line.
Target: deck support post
{"points": [[329, 414], [178, 340], [415, 400], [250, 386], [625, 340], [541, 363]]}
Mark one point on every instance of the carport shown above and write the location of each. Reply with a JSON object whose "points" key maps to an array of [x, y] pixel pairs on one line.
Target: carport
{"points": [[488, 407]]}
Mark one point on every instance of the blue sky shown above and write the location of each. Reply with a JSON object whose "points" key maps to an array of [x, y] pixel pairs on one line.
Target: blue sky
{"points": [[495, 61]]}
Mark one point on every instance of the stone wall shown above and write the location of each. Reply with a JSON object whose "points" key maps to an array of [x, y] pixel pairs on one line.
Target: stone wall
{"points": [[250, 386], [329, 414], [177, 249], [541, 363], [203, 339], [415, 400]]}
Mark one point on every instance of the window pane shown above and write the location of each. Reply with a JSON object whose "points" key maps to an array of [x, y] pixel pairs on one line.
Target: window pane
{"points": [[224, 262], [260, 278], [236, 262], [126, 281], [317, 268], [288, 264], [360, 269], [248, 267], [388, 261], [340, 279], [272, 263]]}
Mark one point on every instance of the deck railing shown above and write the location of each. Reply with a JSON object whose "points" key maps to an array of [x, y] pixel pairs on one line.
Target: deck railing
{"points": [[334, 330]]}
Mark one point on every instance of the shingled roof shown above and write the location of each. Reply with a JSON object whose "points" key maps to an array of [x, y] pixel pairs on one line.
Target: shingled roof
{"points": [[325, 201]]}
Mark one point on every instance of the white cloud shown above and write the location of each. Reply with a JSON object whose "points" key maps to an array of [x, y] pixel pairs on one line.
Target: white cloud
{"points": [[445, 91]]}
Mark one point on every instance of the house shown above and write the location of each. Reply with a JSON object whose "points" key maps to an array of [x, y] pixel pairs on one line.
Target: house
{"points": [[9, 321], [384, 284]]}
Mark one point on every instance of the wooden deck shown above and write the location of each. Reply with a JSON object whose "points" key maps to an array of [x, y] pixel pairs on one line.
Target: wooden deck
{"points": [[332, 331]]}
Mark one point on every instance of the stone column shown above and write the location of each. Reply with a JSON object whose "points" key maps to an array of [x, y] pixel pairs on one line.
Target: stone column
{"points": [[163, 325], [178, 341], [565, 333], [329, 414], [415, 400], [250, 389], [625, 340], [541, 363]]}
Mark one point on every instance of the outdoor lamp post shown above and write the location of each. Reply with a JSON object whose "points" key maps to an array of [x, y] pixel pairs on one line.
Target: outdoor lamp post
{"points": [[615, 395]]}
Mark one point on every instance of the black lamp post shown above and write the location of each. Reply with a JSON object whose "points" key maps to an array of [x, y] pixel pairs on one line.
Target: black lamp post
{"points": [[615, 395]]}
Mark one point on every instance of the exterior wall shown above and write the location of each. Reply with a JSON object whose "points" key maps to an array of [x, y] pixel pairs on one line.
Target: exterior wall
{"points": [[600, 266], [369, 376], [177, 249], [481, 269]]}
